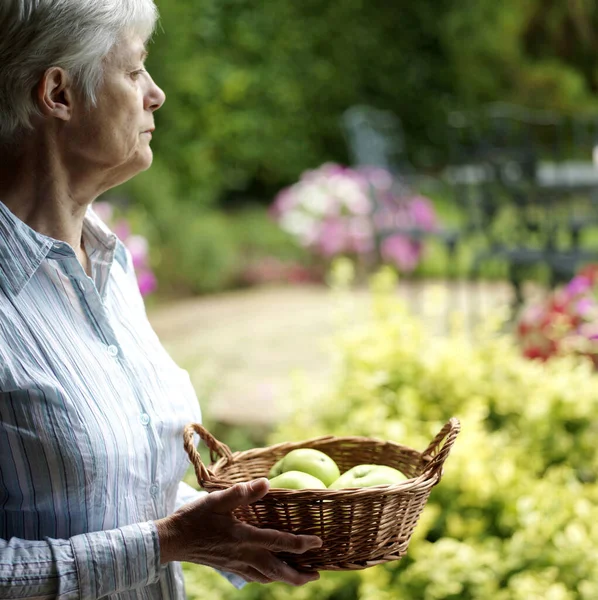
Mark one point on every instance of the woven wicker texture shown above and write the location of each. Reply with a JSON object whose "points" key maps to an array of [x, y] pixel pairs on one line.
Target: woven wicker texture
{"points": [[359, 527]]}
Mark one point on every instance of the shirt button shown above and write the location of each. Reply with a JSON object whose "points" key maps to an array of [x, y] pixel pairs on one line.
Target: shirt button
{"points": [[113, 350], [81, 286], [145, 419], [154, 489], [57, 246]]}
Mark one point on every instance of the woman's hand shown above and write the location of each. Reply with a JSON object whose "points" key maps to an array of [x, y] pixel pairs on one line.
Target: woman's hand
{"points": [[206, 532]]}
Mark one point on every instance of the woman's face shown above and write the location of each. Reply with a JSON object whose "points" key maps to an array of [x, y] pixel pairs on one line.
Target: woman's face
{"points": [[113, 138]]}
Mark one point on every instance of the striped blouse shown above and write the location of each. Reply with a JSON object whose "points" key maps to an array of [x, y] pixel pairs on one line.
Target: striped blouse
{"points": [[91, 415]]}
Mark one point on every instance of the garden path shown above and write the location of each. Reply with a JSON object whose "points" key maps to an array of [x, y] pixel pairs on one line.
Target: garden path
{"points": [[241, 348]]}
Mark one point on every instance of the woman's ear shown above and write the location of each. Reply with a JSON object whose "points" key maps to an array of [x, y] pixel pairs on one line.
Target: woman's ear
{"points": [[55, 95]]}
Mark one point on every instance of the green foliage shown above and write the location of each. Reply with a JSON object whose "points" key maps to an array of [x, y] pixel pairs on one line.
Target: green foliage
{"points": [[516, 513], [255, 91], [195, 251], [525, 52], [259, 236], [201, 254]]}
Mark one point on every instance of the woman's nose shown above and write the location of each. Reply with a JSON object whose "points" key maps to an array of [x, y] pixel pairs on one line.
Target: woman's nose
{"points": [[155, 97]]}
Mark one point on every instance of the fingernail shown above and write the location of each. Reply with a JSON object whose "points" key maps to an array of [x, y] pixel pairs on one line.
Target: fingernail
{"points": [[258, 483]]}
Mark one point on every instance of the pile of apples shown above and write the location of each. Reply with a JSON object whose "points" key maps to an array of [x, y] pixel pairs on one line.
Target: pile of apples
{"points": [[308, 468]]}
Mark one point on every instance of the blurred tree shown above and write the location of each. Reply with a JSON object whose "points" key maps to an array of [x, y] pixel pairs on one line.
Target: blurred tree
{"points": [[255, 90], [568, 32], [537, 53]]}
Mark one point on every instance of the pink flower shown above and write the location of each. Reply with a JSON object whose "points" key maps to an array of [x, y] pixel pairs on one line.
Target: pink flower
{"points": [[585, 306], [335, 210], [402, 251], [361, 235], [332, 238], [139, 249], [147, 282], [136, 244], [122, 229], [422, 212], [284, 201], [380, 179], [332, 169], [578, 285]]}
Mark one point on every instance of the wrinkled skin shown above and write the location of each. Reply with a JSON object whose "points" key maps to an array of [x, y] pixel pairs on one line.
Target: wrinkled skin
{"points": [[206, 532]]}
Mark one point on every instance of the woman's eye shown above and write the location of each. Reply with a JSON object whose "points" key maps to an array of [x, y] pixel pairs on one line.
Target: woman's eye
{"points": [[136, 74]]}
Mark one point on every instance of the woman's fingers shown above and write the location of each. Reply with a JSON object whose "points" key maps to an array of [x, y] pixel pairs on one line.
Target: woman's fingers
{"points": [[275, 569], [251, 575], [240, 494], [260, 566], [258, 545], [276, 541]]}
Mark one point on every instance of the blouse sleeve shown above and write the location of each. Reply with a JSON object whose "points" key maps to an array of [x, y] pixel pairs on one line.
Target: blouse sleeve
{"points": [[90, 565]]}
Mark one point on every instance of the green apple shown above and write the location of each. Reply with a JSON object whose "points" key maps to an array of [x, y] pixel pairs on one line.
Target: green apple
{"points": [[297, 480], [312, 461], [367, 476], [276, 469]]}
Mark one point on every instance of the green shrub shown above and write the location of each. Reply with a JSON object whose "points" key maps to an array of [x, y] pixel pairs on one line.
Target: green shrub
{"points": [[207, 251], [196, 253], [516, 514], [260, 237]]}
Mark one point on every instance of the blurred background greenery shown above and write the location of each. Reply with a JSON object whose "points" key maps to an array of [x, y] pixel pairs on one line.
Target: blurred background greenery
{"points": [[255, 96]]}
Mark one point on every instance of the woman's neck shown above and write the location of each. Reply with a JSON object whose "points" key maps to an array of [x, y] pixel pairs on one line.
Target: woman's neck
{"points": [[37, 189]]}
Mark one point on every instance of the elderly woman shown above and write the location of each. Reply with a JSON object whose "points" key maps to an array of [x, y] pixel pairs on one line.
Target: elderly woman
{"points": [[91, 406]]}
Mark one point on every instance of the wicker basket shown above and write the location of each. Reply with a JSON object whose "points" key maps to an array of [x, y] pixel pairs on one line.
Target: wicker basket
{"points": [[359, 527]]}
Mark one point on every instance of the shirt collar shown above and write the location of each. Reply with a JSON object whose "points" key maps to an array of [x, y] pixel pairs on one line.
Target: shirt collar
{"points": [[100, 236], [98, 232], [22, 249]]}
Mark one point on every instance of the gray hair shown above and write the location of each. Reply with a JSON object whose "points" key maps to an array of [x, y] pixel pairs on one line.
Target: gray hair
{"points": [[73, 34]]}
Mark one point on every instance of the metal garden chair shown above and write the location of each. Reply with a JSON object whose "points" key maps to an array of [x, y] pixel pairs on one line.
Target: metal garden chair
{"points": [[375, 138]]}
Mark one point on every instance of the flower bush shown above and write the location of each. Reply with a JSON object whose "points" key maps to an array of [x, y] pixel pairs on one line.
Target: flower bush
{"points": [[136, 244], [337, 211], [565, 322], [515, 516]]}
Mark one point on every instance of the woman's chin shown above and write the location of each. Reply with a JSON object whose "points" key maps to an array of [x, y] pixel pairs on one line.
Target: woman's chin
{"points": [[144, 160], [149, 159]]}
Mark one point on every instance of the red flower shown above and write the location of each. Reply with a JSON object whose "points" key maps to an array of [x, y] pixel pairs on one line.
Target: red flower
{"points": [[564, 321]]}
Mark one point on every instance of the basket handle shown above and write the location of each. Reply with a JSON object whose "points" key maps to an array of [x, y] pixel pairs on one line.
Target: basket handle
{"points": [[217, 450], [438, 450]]}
